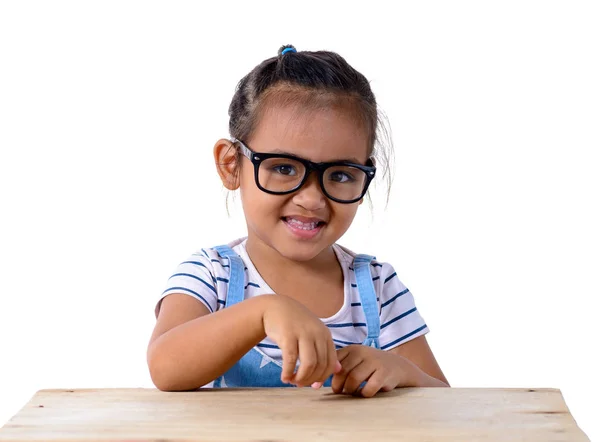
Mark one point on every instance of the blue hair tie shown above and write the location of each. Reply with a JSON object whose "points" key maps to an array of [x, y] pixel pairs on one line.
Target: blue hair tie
{"points": [[287, 50]]}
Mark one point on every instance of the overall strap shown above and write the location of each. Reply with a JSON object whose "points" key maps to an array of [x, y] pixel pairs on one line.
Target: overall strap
{"points": [[235, 287], [368, 298]]}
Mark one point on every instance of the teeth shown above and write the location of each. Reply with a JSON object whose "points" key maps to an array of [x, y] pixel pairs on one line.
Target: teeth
{"points": [[301, 225]]}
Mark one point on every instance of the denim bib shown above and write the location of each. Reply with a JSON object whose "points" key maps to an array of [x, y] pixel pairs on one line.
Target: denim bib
{"points": [[256, 369]]}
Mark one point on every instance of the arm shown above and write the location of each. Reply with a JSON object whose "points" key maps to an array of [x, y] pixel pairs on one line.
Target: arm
{"points": [[190, 347], [399, 318], [427, 371]]}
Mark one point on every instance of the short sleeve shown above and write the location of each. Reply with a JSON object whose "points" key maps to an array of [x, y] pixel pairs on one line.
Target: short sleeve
{"points": [[400, 321], [195, 277]]}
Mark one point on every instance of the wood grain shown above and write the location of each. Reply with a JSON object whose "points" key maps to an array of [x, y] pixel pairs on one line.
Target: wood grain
{"points": [[292, 414]]}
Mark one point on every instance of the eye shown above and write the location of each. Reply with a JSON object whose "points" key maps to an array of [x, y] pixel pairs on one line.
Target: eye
{"points": [[342, 177], [285, 169]]}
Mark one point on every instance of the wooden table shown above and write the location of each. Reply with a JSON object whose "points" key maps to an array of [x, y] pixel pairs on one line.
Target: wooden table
{"points": [[293, 414]]}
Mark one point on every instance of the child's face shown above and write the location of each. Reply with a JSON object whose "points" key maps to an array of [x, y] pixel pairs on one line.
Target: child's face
{"points": [[320, 136]]}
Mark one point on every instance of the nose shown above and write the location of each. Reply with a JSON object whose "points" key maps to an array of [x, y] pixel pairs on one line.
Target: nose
{"points": [[310, 195]]}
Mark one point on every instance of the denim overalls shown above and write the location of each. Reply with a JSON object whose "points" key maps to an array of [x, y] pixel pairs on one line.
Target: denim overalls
{"points": [[256, 369]]}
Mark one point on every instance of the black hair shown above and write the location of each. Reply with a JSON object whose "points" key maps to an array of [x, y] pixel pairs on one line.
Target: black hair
{"points": [[314, 79]]}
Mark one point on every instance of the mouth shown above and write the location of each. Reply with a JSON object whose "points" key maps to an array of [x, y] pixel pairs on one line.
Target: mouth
{"points": [[301, 224], [305, 229]]}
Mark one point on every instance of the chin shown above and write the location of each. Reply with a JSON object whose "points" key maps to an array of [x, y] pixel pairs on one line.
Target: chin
{"points": [[294, 248], [300, 252], [299, 257]]}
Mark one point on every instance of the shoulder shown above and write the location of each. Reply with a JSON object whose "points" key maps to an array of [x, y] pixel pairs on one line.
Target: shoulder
{"points": [[379, 269], [204, 275], [387, 284], [206, 258], [218, 261]]}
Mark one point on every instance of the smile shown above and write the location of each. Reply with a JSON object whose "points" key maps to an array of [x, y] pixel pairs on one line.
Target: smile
{"points": [[305, 230]]}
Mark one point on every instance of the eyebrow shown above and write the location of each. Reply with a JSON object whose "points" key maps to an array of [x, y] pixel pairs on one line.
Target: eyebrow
{"points": [[348, 160]]}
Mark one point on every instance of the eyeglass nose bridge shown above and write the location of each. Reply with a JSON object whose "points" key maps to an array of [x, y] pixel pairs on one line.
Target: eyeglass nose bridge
{"points": [[319, 170]]}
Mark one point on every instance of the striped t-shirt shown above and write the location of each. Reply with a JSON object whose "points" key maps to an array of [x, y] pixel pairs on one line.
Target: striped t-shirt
{"points": [[204, 276]]}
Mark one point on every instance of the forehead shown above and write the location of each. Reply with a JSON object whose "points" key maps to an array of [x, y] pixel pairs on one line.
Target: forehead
{"points": [[323, 134]]}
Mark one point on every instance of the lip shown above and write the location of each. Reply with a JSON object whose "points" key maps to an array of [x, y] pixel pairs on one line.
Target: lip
{"points": [[301, 233], [305, 219]]}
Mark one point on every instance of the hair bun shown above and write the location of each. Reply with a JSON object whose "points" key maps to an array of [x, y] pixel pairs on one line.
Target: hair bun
{"points": [[286, 48]]}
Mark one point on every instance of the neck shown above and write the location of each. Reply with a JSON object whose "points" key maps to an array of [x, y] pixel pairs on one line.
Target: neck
{"points": [[269, 261]]}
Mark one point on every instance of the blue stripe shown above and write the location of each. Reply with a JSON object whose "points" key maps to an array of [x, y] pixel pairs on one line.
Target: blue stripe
{"points": [[389, 277], [201, 265], [222, 265], [209, 270], [220, 301], [347, 324], [403, 292], [199, 279], [205, 254], [251, 284], [222, 279], [412, 310], [357, 304], [260, 344], [197, 263], [346, 342], [192, 292], [404, 337]]}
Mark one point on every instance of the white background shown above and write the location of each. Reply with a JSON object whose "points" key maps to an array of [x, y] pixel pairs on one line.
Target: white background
{"points": [[109, 112]]}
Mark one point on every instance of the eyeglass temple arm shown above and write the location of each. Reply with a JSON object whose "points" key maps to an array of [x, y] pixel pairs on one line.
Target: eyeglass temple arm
{"points": [[247, 152]]}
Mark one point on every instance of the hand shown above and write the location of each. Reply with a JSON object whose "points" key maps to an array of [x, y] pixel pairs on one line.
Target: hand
{"points": [[300, 335], [381, 370]]}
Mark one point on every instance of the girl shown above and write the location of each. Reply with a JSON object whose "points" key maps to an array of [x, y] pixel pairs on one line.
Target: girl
{"points": [[287, 305]]}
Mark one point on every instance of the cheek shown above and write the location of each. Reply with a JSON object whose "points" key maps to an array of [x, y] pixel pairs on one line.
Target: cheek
{"points": [[246, 175], [248, 188], [257, 204], [347, 214]]}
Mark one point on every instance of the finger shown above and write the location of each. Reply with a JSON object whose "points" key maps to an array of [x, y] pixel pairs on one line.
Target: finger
{"points": [[375, 383], [351, 360], [357, 376], [322, 370], [317, 385], [308, 362], [333, 365], [289, 355], [343, 352]]}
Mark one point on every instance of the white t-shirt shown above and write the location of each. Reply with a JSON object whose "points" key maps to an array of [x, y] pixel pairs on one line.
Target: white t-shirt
{"points": [[204, 277]]}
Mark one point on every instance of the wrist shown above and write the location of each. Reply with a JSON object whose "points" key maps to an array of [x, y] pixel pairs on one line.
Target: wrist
{"points": [[263, 304]]}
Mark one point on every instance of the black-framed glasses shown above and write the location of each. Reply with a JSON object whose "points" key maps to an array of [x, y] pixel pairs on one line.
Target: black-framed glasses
{"points": [[279, 174]]}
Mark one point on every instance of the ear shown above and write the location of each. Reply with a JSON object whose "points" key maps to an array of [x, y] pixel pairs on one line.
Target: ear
{"points": [[226, 160]]}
